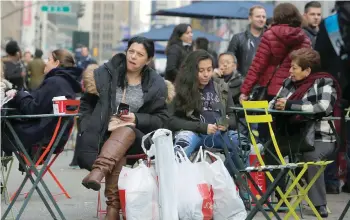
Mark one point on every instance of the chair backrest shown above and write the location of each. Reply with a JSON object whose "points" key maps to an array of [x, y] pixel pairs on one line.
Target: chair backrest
{"points": [[74, 104], [264, 117]]}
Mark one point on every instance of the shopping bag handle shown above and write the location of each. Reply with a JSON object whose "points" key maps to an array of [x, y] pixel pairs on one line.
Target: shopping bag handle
{"points": [[181, 155], [151, 152], [200, 155], [211, 154]]}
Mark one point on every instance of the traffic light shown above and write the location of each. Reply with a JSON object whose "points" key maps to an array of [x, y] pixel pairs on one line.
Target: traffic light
{"points": [[81, 10]]}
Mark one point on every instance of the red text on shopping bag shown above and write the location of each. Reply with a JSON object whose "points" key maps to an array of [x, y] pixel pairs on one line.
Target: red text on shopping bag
{"points": [[206, 192]]}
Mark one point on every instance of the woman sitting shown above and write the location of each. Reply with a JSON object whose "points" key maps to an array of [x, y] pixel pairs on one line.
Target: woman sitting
{"points": [[310, 91], [199, 108], [124, 100], [61, 79]]}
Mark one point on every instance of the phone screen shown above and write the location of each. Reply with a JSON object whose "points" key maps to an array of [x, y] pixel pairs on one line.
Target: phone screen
{"points": [[123, 109]]}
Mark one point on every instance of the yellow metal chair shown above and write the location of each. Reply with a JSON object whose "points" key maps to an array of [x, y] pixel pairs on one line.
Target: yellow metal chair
{"points": [[302, 191]]}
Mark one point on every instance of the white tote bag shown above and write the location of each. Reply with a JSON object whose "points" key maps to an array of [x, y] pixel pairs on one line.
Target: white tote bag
{"points": [[138, 192], [195, 197], [228, 205], [163, 151]]}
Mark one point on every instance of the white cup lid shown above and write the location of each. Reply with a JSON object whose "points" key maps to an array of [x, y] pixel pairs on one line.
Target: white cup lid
{"points": [[58, 98]]}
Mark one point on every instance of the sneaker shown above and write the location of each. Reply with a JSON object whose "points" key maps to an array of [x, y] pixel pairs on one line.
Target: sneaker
{"points": [[322, 210]]}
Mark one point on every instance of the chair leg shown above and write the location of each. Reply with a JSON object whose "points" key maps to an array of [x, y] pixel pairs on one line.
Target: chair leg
{"points": [[58, 183], [98, 204]]}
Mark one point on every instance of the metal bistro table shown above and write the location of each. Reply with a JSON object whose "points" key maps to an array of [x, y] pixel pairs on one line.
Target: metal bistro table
{"points": [[20, 149], [287, 112]]}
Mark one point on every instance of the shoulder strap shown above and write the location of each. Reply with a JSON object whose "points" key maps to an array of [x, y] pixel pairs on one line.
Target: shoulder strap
{"points": [[273, 74]]}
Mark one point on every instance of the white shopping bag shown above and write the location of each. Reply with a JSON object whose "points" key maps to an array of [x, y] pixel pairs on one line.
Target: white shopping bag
{"points": [[228, 205], [138, 192], [195, 197], [163, 151]]}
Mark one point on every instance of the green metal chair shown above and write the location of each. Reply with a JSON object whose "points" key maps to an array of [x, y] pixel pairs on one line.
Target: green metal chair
{"points": [[6, 166]]}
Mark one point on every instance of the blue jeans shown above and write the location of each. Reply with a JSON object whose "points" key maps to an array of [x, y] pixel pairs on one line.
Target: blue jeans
{"points": [[191, 141]]}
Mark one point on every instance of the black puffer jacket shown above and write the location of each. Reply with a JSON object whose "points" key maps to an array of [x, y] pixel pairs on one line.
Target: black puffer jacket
{"points": [[98, 104], [176, 54]]}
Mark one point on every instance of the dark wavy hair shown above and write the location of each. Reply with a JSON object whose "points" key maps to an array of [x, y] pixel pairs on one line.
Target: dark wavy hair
{"points": [[149, 47], [175, 36], [287, 13], [187, 95]]}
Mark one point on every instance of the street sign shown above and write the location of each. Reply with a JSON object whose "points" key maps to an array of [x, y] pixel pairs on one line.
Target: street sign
{"points": [[55, 8]]}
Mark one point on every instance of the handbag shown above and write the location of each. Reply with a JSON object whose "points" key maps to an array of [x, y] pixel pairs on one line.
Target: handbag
{"points": [[295, 137], [259, 93]]}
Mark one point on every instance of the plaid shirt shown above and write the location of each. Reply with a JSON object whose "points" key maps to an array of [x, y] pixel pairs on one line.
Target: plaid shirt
{"points": [[319, 99]]}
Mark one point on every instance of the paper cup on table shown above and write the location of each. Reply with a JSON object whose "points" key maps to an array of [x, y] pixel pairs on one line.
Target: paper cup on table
{"points": [[58, 105]]}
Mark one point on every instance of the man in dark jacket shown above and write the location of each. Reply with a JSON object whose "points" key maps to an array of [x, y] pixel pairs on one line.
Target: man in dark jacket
{"points": [[335, 60], [85, 59], [13, 67], [312, 15], [244, 45]]}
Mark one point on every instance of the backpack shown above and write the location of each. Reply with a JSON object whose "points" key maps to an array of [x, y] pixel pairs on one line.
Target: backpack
{"points": [[13, 72]]}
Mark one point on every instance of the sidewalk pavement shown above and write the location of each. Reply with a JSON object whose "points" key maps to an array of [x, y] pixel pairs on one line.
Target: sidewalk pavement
{"points": [[83, 204]]}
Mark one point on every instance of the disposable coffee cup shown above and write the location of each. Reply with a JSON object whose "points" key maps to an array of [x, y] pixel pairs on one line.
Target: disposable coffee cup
{"points": [[58, 105]]}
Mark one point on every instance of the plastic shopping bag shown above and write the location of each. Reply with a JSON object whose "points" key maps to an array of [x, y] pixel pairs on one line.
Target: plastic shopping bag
{"points": [[138, 192], [165, 164], [195, 196], [228, 205]]}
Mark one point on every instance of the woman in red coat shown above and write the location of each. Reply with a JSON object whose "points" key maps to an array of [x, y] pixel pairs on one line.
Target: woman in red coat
{"points": [[271, 60]]}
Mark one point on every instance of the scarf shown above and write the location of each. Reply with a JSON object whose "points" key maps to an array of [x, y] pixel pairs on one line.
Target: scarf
{"points": [[304, 85]]}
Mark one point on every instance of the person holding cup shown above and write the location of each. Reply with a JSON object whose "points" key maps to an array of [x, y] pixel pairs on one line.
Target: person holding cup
{"points": [[61, 79]]}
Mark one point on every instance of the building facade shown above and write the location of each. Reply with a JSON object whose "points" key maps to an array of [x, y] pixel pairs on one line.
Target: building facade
{"points": [[11, 24], [109, 18]]}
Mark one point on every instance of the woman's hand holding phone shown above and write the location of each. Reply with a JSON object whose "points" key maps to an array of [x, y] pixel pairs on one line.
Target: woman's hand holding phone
{"points": [[128, 118]]}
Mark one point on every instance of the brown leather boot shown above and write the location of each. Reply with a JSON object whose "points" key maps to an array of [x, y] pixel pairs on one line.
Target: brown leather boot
{"points": [[111, 153], [111, 191]]}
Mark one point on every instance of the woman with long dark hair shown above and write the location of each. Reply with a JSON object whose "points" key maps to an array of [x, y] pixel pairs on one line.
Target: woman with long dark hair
{"points": [[124, 100], [200, 109], [179, 45]]}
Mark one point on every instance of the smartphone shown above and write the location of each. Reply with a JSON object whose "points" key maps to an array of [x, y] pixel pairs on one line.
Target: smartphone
{"points": [[223, 121], [122, 109]]}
